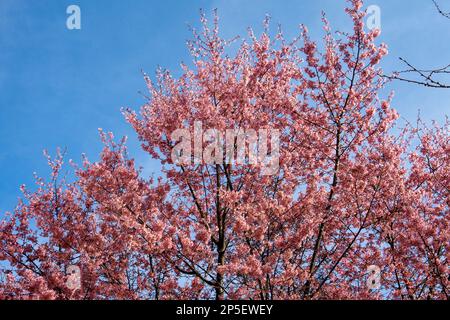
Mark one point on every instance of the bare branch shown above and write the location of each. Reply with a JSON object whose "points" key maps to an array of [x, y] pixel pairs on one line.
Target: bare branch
{"points": [[424, 77], [444, 14]]}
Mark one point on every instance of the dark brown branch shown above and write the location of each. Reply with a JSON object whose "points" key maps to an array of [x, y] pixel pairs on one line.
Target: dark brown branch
{"points": [[424, 77], [441, 12]]}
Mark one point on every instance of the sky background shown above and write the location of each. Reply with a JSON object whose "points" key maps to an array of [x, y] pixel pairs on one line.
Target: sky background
{"points": [[58, 86]]}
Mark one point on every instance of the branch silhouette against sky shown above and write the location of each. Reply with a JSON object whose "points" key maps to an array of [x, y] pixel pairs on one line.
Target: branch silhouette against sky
{"points": [[431, 78]]}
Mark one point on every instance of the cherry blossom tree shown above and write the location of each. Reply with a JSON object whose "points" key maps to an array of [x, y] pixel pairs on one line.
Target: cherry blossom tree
{"points": [[349, 191]]}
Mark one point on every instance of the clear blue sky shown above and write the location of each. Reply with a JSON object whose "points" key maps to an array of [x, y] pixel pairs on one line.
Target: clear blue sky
{"points": [[58, 86]]}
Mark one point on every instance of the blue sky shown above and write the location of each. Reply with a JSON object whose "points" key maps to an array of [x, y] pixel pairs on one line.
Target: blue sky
{"points": [[58, 86]]}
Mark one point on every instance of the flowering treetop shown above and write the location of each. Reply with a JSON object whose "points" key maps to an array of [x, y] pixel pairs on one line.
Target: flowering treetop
{"points": [[346, 194]]}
